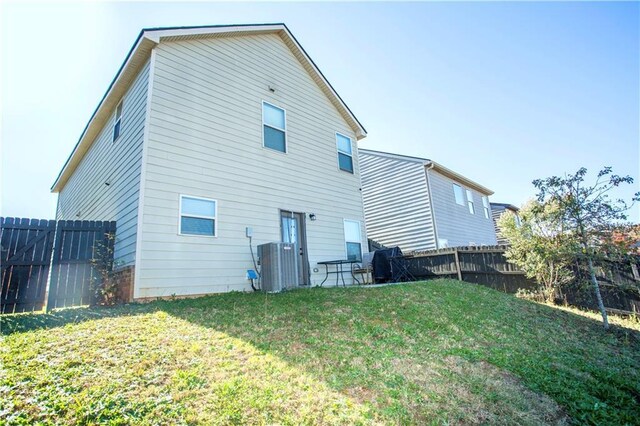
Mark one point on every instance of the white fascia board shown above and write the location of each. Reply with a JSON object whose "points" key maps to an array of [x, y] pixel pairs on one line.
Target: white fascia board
{"points": [[459, 178], [360, 131], [157, 35], [98, 119]]}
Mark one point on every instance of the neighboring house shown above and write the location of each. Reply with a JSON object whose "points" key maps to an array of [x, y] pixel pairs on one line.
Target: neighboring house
{"points": [[208, 131], [497, 210], [418, 204]]}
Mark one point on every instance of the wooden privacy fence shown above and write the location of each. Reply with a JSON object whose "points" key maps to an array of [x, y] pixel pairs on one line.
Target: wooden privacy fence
{"points": [[619, 286], [25, 256], [480, 265], [487, 265], [53, 261]]}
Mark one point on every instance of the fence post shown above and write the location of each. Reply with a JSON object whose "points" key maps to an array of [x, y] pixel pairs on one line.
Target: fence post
{"points": [[634, 270], [458, 270]]}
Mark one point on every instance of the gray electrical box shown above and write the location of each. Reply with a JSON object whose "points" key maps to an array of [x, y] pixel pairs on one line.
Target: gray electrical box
{"points": [[278, 266]]}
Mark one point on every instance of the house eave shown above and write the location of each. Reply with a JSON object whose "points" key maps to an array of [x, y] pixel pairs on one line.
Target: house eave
{"points": [[140, 52], [458, 177], [132, 64], [506, 206]]}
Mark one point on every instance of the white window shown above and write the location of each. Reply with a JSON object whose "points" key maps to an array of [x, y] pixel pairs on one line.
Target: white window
{"points": [[485, 205], [345, 155], [197, 216], [274, 127], [352, 239], [470, 202], [457, 192], [117, 126]]}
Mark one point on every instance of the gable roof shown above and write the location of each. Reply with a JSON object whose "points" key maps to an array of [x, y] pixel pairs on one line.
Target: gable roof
{"points": [[141, 51], [430, 164], [505, 206]]}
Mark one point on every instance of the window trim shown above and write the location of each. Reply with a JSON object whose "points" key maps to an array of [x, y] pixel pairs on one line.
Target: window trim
{"points": [[214, 218], [117, 119], [470, 203], [344, 228], [461, 193], [485, 206], [338, 152], [286, 139]]}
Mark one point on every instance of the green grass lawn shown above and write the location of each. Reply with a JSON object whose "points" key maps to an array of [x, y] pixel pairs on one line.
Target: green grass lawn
{"points": [[440, 352]]}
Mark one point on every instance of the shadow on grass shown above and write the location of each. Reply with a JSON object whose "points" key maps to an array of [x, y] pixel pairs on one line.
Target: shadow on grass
{"points": [[237, 301], [354, 340], [20, 323]]}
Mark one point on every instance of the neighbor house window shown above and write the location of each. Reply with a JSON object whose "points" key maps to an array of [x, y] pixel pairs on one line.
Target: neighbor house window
{"points": [[274, 127], [352, 239], [117, 127], [470, 202], [457, 192], [518, 222], [197, 216], [485, 206], [345, 155]]}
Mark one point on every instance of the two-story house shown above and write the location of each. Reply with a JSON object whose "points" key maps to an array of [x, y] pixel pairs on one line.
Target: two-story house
{"points": [[208, 131], [418, 204]]}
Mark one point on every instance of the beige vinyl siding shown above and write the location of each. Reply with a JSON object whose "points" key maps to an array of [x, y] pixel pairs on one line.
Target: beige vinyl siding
{"points": [[454, 222], [205, 140], [85, 195], [396, 202]]}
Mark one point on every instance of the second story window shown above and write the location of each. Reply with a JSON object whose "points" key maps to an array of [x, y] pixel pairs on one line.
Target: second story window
{"points": [[274, 127], [470, 202], [345, 155], [457, 192], [485, 206], [117, 126]]}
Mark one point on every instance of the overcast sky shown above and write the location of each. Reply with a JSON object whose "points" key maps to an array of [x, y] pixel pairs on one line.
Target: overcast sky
{"points": [[502, 93]]}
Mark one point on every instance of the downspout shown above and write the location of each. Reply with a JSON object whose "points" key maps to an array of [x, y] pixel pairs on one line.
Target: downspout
{"points": [[433, 215]]}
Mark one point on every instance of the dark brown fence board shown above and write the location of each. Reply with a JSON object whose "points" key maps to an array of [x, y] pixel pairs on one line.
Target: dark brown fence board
{"points": [[25, 259], [32, 248], [480, 265], [74, 276], [488, 266]]}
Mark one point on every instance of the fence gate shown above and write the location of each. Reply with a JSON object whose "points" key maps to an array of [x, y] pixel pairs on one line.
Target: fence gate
{"points": [[32, 248], [73, 274], [26, 246]]}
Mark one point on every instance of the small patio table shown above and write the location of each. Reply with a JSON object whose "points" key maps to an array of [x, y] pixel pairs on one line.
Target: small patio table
{"points": [[339, 264]]}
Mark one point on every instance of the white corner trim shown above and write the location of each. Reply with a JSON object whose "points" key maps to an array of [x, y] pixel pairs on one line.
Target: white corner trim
{"points": [[143, 171], [431, 206]]}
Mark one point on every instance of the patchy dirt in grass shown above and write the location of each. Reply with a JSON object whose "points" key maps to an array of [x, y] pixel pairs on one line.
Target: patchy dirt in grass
{"points": [[476, 393], [361, 394]]}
